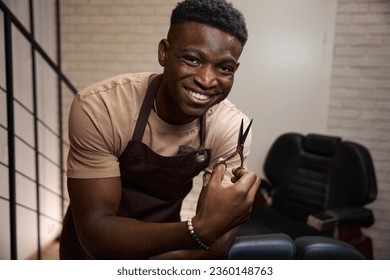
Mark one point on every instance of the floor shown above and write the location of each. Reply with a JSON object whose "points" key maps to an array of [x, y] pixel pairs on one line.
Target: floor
{"points": [[50, 252]]}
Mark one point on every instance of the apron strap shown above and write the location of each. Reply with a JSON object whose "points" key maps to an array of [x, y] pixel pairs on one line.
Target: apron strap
{"points": [[146, 108], [202, 155]]}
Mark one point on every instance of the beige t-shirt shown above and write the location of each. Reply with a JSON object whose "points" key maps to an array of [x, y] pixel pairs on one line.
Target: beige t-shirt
{"points": [[103, 117]]}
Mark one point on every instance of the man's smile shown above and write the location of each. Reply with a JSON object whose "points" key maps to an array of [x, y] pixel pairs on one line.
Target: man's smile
{"points": [[197, 97]]}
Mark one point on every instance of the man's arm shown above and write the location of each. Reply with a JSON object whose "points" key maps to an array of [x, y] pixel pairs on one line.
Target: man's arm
{"points": [[219, 250], [104, 235]]}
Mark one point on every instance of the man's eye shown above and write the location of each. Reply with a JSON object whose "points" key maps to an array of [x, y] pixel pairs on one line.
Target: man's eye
{"points": [[191, 60], [226, 69]]}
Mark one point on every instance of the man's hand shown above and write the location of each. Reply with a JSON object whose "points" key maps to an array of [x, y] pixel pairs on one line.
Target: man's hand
{"points": [[221, 209], [238, 173]]}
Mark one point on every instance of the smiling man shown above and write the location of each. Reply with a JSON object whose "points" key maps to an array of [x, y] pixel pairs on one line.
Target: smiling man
{"points": [[137, 141]]}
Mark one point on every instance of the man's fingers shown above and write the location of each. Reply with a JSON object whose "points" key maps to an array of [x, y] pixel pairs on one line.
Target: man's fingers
{"points": [[255, 187], [218, 173], [239, 172], [247, 179]]}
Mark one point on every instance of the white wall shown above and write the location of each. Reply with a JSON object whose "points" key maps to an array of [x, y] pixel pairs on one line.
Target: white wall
{"points": [[283, 79], [359, 108]]}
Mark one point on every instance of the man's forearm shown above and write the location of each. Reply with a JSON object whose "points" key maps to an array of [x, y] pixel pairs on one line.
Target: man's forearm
{"points": [[219, 250]]}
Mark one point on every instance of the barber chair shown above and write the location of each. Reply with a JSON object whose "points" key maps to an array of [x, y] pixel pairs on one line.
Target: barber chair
{"points": [[318, 185], [325, 248], [276, 246], [279, 246]]}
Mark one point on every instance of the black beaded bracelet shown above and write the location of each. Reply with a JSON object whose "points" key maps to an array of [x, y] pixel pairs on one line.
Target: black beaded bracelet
{"points": [[195, 237]]}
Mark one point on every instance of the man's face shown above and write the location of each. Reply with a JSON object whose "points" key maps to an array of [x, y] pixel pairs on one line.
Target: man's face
{"points": [[199, 65]]}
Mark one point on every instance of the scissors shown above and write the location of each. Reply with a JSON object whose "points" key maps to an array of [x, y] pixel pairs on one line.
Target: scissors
{"points": [[240, 145]]}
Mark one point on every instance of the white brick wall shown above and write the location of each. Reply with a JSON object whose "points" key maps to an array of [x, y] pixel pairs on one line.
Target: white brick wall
{"points": [[360, 97], [101, 38]]}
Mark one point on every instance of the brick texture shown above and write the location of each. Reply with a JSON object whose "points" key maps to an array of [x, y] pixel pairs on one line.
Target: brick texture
{"points": [[102, 38], [360, 97]]}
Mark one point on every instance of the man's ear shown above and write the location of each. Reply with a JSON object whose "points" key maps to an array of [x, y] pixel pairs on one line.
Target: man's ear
{"points": [[163, 48]]}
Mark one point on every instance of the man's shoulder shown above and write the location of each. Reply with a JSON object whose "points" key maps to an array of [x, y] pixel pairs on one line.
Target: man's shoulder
{"points": [[226, 111], [224, 119], [115, 83], [114, 100]]}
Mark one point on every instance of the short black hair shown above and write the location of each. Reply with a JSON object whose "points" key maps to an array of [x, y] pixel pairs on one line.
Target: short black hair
{"points": [[216, 13]]}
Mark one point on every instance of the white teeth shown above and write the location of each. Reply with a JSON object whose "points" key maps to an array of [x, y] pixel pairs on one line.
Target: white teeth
{"points": [[199, 95]]}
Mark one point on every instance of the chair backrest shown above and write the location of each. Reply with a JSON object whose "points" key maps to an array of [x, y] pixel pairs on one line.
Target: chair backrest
{"points": [[316, 172]]}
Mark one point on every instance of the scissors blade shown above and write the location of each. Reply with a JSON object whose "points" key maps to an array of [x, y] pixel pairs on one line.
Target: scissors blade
{"points": [[240, 133], [243, 135]]}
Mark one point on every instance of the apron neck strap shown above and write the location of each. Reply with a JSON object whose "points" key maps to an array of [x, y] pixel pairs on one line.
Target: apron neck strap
{"points": [[146, 108], [202, 121]]}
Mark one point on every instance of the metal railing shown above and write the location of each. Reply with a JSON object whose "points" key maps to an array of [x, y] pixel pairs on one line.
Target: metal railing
{"points": [[10, 21]]}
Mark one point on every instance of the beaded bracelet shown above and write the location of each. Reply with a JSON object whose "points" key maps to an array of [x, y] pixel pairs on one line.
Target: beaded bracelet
{"points": [[195, 237]]}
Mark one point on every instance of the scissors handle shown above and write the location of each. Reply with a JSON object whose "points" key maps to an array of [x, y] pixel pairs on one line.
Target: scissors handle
{"points": [[240, 145], [223, 161]]}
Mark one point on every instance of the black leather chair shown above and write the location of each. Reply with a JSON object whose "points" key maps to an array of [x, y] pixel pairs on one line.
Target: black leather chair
{"points": [[319, 186], [279, 246], [325, 248], [276, 246]]}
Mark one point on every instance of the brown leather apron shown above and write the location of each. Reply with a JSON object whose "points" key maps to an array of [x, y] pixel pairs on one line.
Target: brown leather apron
{"points": [[153, 186]]}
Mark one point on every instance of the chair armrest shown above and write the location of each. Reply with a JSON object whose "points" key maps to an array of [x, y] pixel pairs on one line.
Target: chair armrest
{"points": [[275, 246], [357, 215], [341, 216], [322, 221]]}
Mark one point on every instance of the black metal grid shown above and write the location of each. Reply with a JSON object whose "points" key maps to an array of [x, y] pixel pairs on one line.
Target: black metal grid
{"points": [[10, 21]]}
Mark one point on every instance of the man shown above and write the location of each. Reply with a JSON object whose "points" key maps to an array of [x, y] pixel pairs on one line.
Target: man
{"points": [[137, 140]]}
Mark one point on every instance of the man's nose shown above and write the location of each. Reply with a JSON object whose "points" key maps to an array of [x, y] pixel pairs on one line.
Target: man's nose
{"points": [[206, 77]]}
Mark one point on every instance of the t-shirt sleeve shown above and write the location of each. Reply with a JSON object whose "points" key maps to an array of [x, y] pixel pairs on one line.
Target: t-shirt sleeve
{"points": [[90, 155]]}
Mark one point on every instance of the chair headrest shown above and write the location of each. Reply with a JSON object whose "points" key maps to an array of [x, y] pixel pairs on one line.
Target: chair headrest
{"points": [[321, 144]]}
